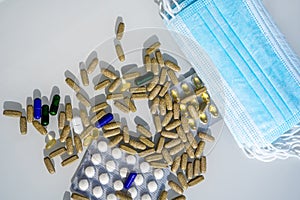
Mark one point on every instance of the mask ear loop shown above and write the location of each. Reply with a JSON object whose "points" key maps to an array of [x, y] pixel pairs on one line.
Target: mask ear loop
{"points": [[165, 6]]}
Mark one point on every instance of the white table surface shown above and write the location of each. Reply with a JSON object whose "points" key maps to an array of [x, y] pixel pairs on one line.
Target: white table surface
{"points": [[38, 39]]}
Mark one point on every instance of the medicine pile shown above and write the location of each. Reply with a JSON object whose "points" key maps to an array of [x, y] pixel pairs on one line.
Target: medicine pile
{"points": [[121, 163]]}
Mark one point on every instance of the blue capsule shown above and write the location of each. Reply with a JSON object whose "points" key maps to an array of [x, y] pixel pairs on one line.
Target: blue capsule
{"points": [[130, 180], [37, 107], [104, 120]]}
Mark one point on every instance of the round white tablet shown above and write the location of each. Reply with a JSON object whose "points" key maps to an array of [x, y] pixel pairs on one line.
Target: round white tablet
{"points": [[83, 184], [130, 159], [139, 179], [146, 197], [111, 197], [133, 192], [89, 171], [110, 165], [116, 153], [104, 178], [118, 185], [159, 174], [97, 191], [152, 186], [123, 172], [96, 159], [145, 167], [77, 125], [102, 146]]}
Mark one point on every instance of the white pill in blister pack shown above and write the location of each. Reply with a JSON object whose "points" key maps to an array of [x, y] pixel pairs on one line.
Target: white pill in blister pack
{"points": [[131, 160], [145, 167], [90, 171], [83, 184], [97, 191], [96, 159], [139, 179], [123, 172], [159, 174], [110, 165], [118, 185], [111, 197], [152, 186], [146, 197], [133, 192], [77, 125], [102, 146], [104, 178], [116, 153]]}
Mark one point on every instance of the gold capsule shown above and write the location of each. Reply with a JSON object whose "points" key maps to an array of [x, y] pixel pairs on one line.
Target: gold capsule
{"points": [[114, 85], [188, 99], [120, 30], [137, 145], [154, 106], [120, 53], [162, 107], [95, 134], [127, 149], [193, 112], [50, 144], [181, 197], [176, 111], [39, 127], [167, 119], [163, 76], [69, 145], [185, 124], [69, 160], [131, 76], [99, 106], [159, 58], [176, 149], [160, 144], [83, 100], [154, 66], [183, 163], [170, 135], [157, 123], [168, 158], [192, 140], [154, 157], [139, 96], [12, 113], [152, 48], [61, 120], [172, 143], [72, 84], [86, 132], [189, 151], [195, 180], [115, 96], [203, 164], [57, 152], [92, 66], [126, 136], [206, 137], [176, 164], [197, 82], [164, 89], [154, 92], [163, 195], [69, 112], [64, 133], [78, 144], [115, 141], [125, 86], [23, 125], [49, 165], [202, 107], [185, 87], [189, 170], [213, 110], [147, 152], [121, 107], [174, 186], [203, 118], [109, 74], [29, 113], [199, 91], [123, 195], [205, 97], [173, 125], [141, 89], [181, 134], [182, 180], [102, 84], [197, 167], [152, 84], [192, 124], [169, 103], [146, 141], [112, 133], [87, 140], [75, 196], [158, 165], [147, 61], [200, 148], [143, 131], [84, 77], [98, 116], [172, 66], [84, 118], [111, 125], [173, 77], [175, 95]]}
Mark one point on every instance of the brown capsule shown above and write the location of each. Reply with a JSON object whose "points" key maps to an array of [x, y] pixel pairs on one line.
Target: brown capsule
{"points": [[29, 113], [174, 186], [163, 195], [99, 106], [153, 83], [120, 30], [109, 74], [154, 66], [203, 164], [167, 118], [183, 163], [69, 160], [160, 144], [163, 76], [69, 112], [75, 196], [78, 144], [127, 149], [159, 58], [141, 89], [84, 77], [61, 120], [164, 89], [115, 96], [121, 107], [154, 157], [176, 164], [176, 111], [173, 125], [189, 150], [154, 106], [169, 134], [146, 141], [131, 76], [23, 125], [139, 96], [69, 145], [200, 91], [158, 165], [172, 143], [147, 152], [152, 48], [206, 137], [92, 66], [112, 133], [123, 196], [114, 85], [39, 127], [182, 180], [192, 140], [12, 113], [98, 116], [188, 99], [172, 66], [126, 136], [181, 134], [57, 152], [111, 125], [185, 124], [120, 52], [64, 133], [115, 141], [189, 170], [157, 123], [83, 100], [173, 77], [84, 118], [154, 92], [49, 165], [193, 112], [200, 148], [176, 149], [169, 103], [168, 158], [197, 171], [86, 132], [137, 145], [130, 104], [50, 144], [181, 197], [72, 84], [102, 84], [147, 62], [195, 180], [143, 131], [162, 107]]}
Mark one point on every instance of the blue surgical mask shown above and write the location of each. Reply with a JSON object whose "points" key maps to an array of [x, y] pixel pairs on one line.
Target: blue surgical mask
{"points": [[259, 73]]}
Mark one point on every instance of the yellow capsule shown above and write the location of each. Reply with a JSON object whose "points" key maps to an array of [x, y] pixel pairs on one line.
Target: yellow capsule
{"points": [[183, 163], [189, 170], [102, 84], [126, 136], [23, 125], [169, 134], [112, 133], [197, 82], [185, 87], [193, 112], [64, 133], [115, 141], [175, 95], [49, 165], [189, 151], [144, 131], [75, 196], [69, 160], [213, 110], [203, 118], [109, 74], [121, 107], [100, 106], [167, 119], [125, 86], [120, 30], [176, 110], [200, 148], [185, 124], [195, 180], [92, 66], [57, 152], [120, 53], [127, 149], [176, 164], [50, 144], [98, 116], [174, 186], [39, 127], [84, 77], [164, 89], [139, 96], [78, 144], [153, 83], [160, 144], [147, 62], [95, 134], [155, 67], [205, 97], [192, 124], [83, 100], [197, 167], [12, 113], [141, 89], [29, 113], [147, 152], [154, 157], [87, 140], [154, 92], [159, 58], [86, 132], [162, 107], [172, 66], [181, 197], [192, 140], [61, 120], [163, 195], [130, 104], [72, 84], [181, 134], [123, 195], [131, 75], [69, 112], [158, 165], [176, 149], [163, 76], [84, 118], [114, 85], [182, 180], [152, 48], [115, 96], [146, 141], [137, 145], [112, 125], [173, 125], [69, 145], [154, 106], [169, 103], [173, 77]]}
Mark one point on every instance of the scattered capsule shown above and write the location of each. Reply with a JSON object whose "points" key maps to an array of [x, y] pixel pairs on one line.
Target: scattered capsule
{"points": [[206, 137], [197, 167], [130, 104], [193, 112], [152, 84], [173, 125], [86, 132], [37, 107], [92, 66], [213, 110], [189, 150], [162, 107], [112, 125], [115, 96], [139, 96], [169, 103], [84, 77], [182, 180], [154, 92], [121, 107], [200, 148], [176, 164], [143, 131], [197, 82], [203, 164], [111, 133], [120, 52], [69, 112], [205, 97], [49, 165], [172, 66], [102, 84], [131, 75], [203, 118], [144, 79], [127, 149], [23, 125], [158, 165], [69, 145], [115, 141], [152, 48], [181, 134], [78, 144], [157, 123], [176, 111], [163, 195], [167, 119], [183, 163], [83, 99], [176, 149], [50, 144], [100, 106], [109, 74], [174, 186], [163, 76], [39, 127], [168, 158], [146, 141], [57, 152], [72, 84], [195, 180], [120, 30], [147, 152], [87, 140], [180, 197], [160, 144], [138, 89], [64, 133], [84, 118], [29, 113], [189, 170], [125, 86], [78, 197], [147, 62], [173, 77], [153, 157], [137, 145], [98, 116], [130, 180], [170, 135], [104, 120], [175, 95], [114, 85], [164, 89], [69, 160], [126, 136]]}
